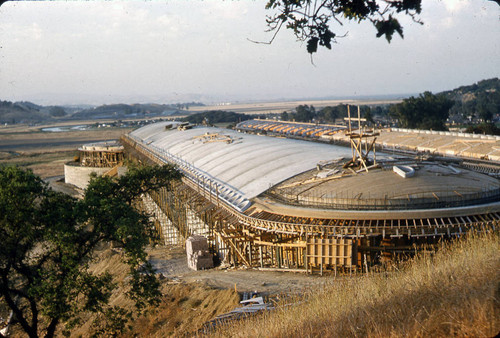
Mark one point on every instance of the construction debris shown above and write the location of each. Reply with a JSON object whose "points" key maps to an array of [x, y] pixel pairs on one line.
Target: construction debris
{"points": [[250, 307], [198, 255]]}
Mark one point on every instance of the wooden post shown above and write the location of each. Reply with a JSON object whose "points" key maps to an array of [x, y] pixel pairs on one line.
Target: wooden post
{"points": [[306, 263], [261, 258], [217, 192], [250, 253], [349, 116], [350, 132]]}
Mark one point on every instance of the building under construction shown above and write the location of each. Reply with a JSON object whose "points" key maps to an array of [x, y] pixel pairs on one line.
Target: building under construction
{"points": [[289, 204], [102, 158]]}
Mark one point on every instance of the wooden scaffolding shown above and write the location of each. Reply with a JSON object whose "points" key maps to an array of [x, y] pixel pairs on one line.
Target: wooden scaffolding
{"points": [[262, 239]]}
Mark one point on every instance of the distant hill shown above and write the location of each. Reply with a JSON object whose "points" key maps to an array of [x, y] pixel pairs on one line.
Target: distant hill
{"points": [[133, 110], [28, 105], [480, 100], [20, 112], [473, 104], [28, 112], [468, 92]]}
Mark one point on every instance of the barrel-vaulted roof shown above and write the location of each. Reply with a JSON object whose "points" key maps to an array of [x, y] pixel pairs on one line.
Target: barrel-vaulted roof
{"points": [[244, 163]]}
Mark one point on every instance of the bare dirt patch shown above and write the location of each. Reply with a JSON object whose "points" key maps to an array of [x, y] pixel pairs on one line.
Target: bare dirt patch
{"points": [[171, 262]]}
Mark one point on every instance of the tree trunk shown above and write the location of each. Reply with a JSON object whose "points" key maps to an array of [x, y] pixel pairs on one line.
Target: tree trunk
{"points": [[51, 329]]}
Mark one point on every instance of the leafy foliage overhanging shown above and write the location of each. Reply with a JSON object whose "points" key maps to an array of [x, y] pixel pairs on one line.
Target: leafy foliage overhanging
{"points": [[310, 20]]}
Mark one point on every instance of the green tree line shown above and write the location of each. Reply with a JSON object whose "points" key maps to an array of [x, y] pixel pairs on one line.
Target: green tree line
{"points": [[217, 116], [308, 113], [427, 111], [478, 102]]}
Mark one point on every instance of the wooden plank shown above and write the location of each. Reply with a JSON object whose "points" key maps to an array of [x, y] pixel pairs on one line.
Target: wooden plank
{"points": [[290, 245]]}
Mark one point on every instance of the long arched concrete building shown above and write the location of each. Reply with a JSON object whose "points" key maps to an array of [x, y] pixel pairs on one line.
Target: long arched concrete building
{"points": [[283, 203]]}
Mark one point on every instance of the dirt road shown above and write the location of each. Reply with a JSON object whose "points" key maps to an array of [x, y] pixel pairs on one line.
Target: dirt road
{"points": [[172, 263]]}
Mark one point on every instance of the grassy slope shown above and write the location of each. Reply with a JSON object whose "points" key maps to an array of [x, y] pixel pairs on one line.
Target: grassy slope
{"points": [[42, 164], [183, 310], [456, 293]]}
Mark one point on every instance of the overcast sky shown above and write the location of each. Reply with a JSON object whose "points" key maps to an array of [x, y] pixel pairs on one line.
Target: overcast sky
{"points": [[175, 51]]}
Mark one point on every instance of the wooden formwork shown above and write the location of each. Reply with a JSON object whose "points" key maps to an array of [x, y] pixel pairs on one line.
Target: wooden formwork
{"points": [[167, 233], [331, 253], [99, 158]]}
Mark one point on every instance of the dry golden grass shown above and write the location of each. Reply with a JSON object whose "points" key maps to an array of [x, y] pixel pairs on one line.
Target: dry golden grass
{"points": [[453, 293], [183, 310], [43, 164]]}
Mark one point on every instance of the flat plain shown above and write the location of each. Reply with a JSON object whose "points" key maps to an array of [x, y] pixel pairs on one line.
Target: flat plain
{"points": [[280, 106], [45, 152]]}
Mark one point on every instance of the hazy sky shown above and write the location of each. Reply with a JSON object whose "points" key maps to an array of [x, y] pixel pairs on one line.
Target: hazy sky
{"points": [[174, 51]]}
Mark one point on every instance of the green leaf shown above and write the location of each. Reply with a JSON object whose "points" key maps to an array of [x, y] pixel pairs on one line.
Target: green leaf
{"points": [[312, 45], [388, 27]]}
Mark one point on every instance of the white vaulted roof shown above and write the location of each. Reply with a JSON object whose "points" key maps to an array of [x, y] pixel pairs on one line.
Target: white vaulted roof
{"points": [[246, 166]]}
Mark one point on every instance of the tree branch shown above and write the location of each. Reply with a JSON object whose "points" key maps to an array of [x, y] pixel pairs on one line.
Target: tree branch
{"points": [[51, 329], [272, 39], [17, 311]]}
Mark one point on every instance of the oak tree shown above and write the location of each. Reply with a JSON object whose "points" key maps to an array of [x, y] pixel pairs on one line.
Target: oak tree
{"points": [[49, 239], [427, 111]]}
